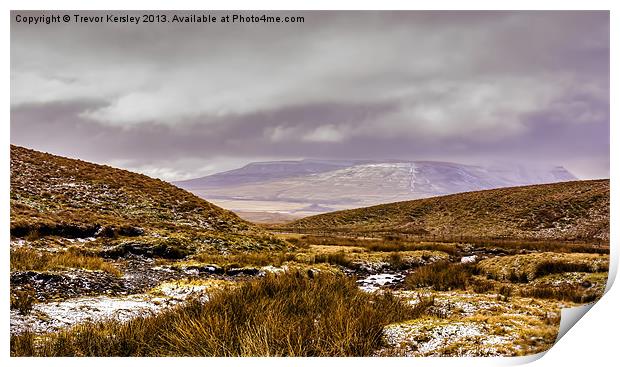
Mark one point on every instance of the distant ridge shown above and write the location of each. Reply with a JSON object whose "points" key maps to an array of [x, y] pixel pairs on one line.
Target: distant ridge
{"points": [[342, 184], [262, 171]]}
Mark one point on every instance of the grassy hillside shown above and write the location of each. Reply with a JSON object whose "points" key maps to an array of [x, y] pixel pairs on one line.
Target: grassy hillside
{"points": [[56, 196], [568, 210]]}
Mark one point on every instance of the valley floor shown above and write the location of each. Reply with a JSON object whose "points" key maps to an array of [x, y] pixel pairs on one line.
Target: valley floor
{"points": [[396, 297]]}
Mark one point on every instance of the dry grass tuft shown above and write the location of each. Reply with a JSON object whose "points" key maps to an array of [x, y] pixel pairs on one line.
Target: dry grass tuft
{"points": [[441, 276], [29, 259], [562, 292], [22, 299], [246, 259], [525, 268], [390, 244], [337, 258], [284, 315]]}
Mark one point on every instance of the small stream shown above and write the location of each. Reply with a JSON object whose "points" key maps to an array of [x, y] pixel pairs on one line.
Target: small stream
{"points": [[129, 297]]}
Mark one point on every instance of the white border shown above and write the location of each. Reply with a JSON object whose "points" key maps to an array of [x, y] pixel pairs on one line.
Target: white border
{"points": [[591, 341]]}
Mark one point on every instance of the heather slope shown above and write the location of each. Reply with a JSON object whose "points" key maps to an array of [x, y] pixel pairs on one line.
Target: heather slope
{"points": [[567, 210], [52, 195]]}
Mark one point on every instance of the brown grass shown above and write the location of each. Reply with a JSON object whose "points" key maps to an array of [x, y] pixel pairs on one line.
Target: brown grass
{"points": [[576, 210], [246, 259], [22, 299], [562, 292], [526, 267], [391, 244], [53, 195], [449, 245], [285, 315], [338, 258], [440, 276], [539, 245], [29, 259], [554, 267]]}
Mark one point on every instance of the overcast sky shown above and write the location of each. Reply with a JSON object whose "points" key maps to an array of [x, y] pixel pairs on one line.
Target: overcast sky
{"points": [[178, 101]]}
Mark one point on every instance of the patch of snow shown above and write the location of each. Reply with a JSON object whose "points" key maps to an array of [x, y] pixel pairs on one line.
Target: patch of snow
{"points": [[166, 269], [274, 269], [58, 315], [182, 291], [18, 243], [87, 239], [413, 170], [469, 259], [375, 281], [443, 335], [53, 316], [422, 341]]}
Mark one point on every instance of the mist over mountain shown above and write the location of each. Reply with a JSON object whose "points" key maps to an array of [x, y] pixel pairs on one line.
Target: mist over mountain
{"points": [[291, 186]]}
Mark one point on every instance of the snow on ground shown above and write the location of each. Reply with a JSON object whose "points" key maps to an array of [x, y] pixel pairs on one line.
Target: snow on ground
{"points": [[413, 170], [421, 339], [375, 281], [468, 324], [469, 259], [18, 243], [274, 269], [53, 316], [183, 291]]}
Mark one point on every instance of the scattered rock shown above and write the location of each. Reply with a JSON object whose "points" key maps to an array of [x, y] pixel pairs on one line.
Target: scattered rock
{"points": [[147, 250], [243, 271], [67, 284], [203, 269], [313, 272]]}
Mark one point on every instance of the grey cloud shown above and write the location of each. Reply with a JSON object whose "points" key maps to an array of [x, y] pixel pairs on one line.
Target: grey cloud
{"points": [[182, 100]]}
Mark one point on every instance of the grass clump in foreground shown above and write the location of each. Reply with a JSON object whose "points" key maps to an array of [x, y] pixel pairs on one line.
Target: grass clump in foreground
{"points": [[29, 259], [278, 315]]}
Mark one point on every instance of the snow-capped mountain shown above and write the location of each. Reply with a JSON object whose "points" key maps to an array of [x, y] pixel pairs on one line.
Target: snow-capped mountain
{"points": [[349, 184]]}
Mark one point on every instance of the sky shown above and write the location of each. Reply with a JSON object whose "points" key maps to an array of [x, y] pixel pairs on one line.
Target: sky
{"points": [[179, 101]]}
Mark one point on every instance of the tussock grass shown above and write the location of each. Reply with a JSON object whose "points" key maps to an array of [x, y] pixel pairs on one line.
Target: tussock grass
{"points": [[400, 243], [390, 244], [407, 246], [22, 299], [246, 259], [30, 259], [562, 292], [284, 315], [555, 266], [481, 285], [441, 276], [540, 245], [524, 268], [504, 293], [338, 258]]}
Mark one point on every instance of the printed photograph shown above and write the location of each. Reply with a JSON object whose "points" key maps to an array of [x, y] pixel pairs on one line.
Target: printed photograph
{"points": [[305, 183]]}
